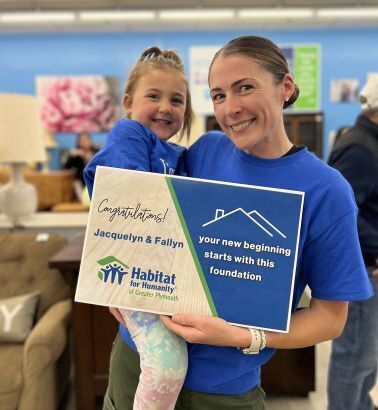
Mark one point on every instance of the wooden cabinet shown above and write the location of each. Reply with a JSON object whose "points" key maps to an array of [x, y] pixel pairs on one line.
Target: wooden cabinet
{"points": [[302, 129], [306, 129]]}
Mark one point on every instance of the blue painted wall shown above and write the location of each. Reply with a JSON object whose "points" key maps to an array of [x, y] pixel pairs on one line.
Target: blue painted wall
{"points": [[346, 53]]}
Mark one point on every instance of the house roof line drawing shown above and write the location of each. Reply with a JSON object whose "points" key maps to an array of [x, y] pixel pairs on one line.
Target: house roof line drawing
{"points": [[270, 224], [248, 215]]}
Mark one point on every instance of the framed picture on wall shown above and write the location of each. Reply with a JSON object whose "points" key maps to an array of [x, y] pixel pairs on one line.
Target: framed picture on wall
{"points": [[78, 103], [344, 90]]}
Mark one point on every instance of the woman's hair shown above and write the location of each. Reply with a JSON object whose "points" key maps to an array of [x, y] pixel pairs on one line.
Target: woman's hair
{"points": [[265, 53], [79, 137], [155, 58]]}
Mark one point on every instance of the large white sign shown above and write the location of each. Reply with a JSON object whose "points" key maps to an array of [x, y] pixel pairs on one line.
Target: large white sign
{"points": [[168, 244]]}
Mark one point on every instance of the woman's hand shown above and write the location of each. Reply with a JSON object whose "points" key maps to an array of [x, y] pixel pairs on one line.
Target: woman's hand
{"points": [[207, 330], [116, 313]]}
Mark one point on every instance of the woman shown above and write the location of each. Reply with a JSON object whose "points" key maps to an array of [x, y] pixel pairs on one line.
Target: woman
{"points": [[250, 85], [79, 156], [77, 159]]}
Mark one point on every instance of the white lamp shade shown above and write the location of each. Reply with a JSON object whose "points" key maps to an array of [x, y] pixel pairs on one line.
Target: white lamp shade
{"points": [[20, 129]]}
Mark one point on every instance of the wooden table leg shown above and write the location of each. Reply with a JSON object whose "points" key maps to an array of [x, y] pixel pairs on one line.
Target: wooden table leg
{"points": [[83, 356]]}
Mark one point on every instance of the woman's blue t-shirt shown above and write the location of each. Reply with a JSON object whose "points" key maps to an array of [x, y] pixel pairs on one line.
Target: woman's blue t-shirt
{"points": [[329, 256]]}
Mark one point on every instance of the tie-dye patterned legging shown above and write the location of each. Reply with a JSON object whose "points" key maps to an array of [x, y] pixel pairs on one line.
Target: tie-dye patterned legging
{"points": [[163, 361]]}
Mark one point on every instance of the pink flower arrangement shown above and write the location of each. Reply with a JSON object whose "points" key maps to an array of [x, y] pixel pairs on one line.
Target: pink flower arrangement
{"points": [[74, 104]]}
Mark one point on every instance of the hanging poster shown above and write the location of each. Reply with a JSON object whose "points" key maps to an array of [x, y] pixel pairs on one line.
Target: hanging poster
{"points": [[344, 90]]}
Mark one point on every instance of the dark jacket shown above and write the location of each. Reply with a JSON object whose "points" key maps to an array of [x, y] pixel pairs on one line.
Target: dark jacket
{"points": [[355, 155]]}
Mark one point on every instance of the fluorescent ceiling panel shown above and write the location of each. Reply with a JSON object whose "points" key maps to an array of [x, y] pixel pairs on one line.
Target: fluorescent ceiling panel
{"points": [[353, 13], [275, 13], [190, 14], [34, 17], [116, 15]]}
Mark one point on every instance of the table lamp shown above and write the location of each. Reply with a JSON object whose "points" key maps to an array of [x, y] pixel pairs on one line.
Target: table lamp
{"points": [[20, 142]]}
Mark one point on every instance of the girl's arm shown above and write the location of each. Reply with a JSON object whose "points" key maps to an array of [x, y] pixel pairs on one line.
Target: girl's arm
{"points": [[322, 320]]}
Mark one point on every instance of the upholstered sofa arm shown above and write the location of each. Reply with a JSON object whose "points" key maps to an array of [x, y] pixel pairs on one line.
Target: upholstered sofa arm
{"points": [[47, 340]]}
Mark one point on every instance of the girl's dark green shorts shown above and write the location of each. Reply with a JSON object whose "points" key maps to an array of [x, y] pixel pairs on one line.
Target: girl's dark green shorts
{"points": [[123, 381]]}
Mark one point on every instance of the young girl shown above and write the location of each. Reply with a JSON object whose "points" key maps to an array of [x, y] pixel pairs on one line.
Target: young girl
{"points": [[157, 105]]}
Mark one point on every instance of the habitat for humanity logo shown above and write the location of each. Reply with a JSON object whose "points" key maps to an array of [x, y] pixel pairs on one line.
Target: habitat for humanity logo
{"points": [[112, 268]]}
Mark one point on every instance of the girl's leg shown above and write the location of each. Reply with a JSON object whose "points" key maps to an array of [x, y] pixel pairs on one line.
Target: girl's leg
{"points": [[163, 361]]}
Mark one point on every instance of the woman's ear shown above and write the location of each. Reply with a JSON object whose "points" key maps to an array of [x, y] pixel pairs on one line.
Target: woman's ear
{"points": [[288, 86], [127, 104]]}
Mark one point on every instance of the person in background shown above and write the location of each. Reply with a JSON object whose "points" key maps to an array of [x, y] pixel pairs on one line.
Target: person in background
{"points": [[354, 355], [78, 158], [157, 105], [339, 134]]}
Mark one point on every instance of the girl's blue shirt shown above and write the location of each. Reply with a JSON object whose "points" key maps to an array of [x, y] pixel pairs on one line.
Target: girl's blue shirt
{"points": [[131, 145]]}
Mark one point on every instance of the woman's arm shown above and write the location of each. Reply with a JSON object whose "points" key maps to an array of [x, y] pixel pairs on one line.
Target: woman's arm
{"points": [[322, 320]]}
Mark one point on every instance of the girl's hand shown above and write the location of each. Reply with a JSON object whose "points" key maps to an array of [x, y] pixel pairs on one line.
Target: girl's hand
{"points": [[115, 312], [207, 330]]}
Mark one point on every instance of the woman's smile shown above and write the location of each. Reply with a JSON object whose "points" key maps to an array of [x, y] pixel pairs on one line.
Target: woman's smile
{"points": [[241, 126]]}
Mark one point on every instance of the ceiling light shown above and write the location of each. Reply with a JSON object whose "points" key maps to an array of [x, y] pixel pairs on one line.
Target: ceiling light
{"points": [[116, 15], [33, 17], [368, 12], [275, 13], [203, 14]]}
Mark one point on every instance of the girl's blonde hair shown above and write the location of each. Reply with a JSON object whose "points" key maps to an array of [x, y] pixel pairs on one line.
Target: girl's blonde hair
{"points": [[155, 58]]}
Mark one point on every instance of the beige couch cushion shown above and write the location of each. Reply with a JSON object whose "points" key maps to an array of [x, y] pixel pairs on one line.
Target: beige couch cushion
{"points": [[24, 268], [17, 317], [11, 375]]}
